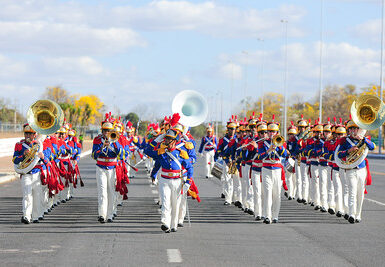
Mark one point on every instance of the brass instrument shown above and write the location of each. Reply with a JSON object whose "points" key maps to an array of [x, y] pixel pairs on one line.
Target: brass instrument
{"points": [[278, 140], [232, 167], [45, 117], [368, 112], [113, 136]]}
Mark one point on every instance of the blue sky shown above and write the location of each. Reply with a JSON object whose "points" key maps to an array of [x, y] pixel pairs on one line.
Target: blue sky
{"points": [[136, 55]]}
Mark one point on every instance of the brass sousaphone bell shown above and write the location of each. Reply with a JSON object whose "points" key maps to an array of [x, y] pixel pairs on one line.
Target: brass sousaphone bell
{"points": [[45, 117]]}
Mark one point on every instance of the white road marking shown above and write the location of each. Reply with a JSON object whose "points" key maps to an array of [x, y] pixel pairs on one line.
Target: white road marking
{"points": [[55, 246], [375, 201], [152, 185], [155, 200], [159, 211], [9, 250], [174, 255], [154, 191], [85, 153], [42, 251]]}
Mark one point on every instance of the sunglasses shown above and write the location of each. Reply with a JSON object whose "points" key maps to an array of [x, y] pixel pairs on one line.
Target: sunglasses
{"points": [[262, 132]]}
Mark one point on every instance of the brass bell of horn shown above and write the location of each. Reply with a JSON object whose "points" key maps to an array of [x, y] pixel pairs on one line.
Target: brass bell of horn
{"points": [[368, 112], [191, 106], [45, 117]]}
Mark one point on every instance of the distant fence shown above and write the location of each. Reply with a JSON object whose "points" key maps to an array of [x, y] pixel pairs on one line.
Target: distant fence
{"points": [[90, 130]]}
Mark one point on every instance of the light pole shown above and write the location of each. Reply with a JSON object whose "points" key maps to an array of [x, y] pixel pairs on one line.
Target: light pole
{"points": [[320, 64], [245, 90], [262, 70], [285, 81], [231, 88], [381, 74]]}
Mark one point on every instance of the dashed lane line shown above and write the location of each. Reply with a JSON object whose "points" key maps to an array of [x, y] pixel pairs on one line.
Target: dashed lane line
{"points": [[174, 256]]}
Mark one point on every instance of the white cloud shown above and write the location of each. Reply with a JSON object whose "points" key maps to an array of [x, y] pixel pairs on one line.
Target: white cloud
{"points": [[78, 65], [210, 18], [369, 30], [10, 68], [69, 39], [231, 70]]}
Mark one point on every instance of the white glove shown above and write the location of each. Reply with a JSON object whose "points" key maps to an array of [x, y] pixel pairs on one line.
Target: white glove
{"points": [[160, 138], [185, 188]]}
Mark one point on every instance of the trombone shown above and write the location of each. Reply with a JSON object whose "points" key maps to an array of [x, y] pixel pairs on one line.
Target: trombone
{"points": [[276, 141]]}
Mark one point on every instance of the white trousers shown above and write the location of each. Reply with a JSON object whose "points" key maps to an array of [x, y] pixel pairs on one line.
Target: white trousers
{"points": [[257, 189], [345, 191], [291, 183], [32, 195], [323, 185], [305, 181], [338, 192], [105, 180], [209, 159], [331, 192], [247, 188], [314, 185], [356, 179], [237, 188], [182, 208], [298, 179], [170, 193], [271, 182], [227, 184]]}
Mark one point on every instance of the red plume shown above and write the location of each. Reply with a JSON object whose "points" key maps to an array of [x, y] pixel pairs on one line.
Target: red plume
{"points": [[301, 116], [350, 116], [175, 119], [292, 123], [260, 116], [340, 120], [129, 124], [236, 117], [156, 126], [253, 114], [273, 117], [232, 117]]}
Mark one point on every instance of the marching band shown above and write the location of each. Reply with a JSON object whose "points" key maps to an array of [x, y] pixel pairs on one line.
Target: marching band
{"points": [[321, 164]]}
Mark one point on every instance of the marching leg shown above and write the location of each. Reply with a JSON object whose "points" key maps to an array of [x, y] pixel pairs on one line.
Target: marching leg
{"points": [[101, 182], [26, 187]]}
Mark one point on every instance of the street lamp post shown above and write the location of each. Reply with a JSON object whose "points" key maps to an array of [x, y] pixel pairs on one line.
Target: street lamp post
{"points": [[262, 70], [245, 90], [285, 81], [381, 74], [320, 64]]}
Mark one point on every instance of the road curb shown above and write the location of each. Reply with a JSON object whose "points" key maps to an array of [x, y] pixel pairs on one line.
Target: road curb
{"points": [[15, 176]]}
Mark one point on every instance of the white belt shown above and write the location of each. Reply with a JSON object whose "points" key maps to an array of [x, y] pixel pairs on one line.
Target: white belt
{"points": [[107, 160], [171, 174]]}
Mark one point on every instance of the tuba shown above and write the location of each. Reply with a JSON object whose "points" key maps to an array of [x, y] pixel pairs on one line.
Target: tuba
{"points": [[278, 140], [191, 106], [45, 117], [368, 112]]}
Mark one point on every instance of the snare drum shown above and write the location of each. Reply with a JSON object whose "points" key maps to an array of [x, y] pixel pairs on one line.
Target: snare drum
{"points": [[217, 170]]}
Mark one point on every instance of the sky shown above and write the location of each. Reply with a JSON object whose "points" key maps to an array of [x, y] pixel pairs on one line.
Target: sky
{"points": [[137, 55]]}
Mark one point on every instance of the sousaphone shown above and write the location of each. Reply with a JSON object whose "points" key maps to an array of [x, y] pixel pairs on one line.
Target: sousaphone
{"points": [[45, 117]]}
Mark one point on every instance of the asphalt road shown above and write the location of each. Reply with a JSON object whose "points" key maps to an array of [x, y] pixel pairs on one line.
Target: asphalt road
{"points": [[219, 235]]}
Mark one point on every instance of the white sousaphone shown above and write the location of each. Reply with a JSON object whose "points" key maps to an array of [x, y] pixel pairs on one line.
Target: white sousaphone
{"points": [[45, 117], [368, 112]]}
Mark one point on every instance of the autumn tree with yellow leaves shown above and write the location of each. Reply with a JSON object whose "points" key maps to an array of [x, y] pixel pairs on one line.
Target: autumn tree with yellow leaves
{"points": [[78, 110]]}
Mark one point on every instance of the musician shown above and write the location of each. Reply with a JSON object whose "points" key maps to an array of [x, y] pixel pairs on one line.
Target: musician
{"points": [[329, 145], [133, 144], [106, 153], [171, 159], [302, 171], [208, 147], [222, 152], [254, 145], [340, 132], [65, 166], [323, 170], [247, 188], [235, 152], [292, 147], [273, 175], [359, 176], [31, 182]]}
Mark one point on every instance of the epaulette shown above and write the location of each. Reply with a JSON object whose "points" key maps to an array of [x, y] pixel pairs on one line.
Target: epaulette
{"points": [[183, 154], [189, 145], [98, 140], [135, 139]]}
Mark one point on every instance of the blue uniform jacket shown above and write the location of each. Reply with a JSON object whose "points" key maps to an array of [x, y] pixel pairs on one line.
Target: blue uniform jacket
{"points": [[347, 143]]}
